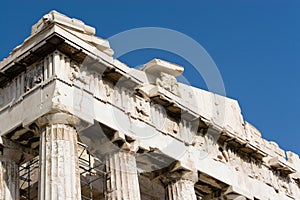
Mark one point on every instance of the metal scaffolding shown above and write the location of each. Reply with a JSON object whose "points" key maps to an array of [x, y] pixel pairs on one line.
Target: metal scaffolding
{"points": [[92, 176], [26, 183]]}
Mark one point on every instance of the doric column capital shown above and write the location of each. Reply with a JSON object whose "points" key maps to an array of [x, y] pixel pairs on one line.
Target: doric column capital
{"points": [[179, 181], [235, 197], [233, 194], [124, 142], [179, 175], [114, 142], [180, 171], [61, 118]]}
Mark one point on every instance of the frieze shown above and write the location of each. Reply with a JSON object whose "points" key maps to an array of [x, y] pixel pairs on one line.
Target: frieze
{"points": [[207, 146]]}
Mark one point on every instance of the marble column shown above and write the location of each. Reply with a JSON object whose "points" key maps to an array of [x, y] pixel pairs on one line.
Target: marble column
{"points": [[179, 181], [122, 178], [180, 189], [59, 171], [9, 175]]}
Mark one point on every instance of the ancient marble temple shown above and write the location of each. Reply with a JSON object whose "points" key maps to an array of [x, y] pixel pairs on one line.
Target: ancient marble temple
{"points": [[76, 123]]}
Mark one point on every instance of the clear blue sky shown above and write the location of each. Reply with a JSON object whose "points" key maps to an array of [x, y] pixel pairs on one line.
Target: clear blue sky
{"points": [[255, 44]]}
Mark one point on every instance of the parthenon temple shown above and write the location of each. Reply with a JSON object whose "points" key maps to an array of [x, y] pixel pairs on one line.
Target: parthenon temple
{"points": [[76, 123]]}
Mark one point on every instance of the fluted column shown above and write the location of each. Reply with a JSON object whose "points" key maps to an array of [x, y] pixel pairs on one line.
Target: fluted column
{"points": [[180, 190], [59, 171], [122, 178], [179, 180], [9, 176]]}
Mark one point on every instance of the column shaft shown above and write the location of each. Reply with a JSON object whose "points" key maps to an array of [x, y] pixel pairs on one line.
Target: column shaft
{"points": [[59, 170], [9, 180], [122, 179], [180, 190]]}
